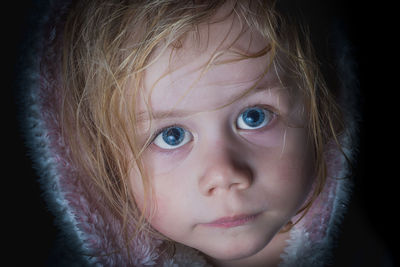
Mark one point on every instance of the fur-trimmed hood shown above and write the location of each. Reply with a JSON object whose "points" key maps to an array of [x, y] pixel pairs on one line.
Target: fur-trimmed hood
{"points": [[87, 227]]}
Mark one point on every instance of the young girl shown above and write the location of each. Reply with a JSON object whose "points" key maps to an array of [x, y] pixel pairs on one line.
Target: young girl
{"points": [[190, 133]]}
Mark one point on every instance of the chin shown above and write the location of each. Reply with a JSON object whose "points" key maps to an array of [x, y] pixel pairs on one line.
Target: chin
{"points": [[236, 250]]}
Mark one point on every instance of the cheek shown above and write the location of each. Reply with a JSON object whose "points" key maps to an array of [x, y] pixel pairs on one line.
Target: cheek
{"points": [[147, 196], [294, 182], [172, 217], [287, 173], [169, 204], [160, 216], [157, 207]]}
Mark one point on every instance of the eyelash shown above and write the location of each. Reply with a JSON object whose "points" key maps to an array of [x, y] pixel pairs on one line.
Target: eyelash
{"points": [[263, 106]]}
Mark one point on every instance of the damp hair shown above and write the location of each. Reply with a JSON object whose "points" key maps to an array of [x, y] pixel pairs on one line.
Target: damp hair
{"points": [[108, 45]]}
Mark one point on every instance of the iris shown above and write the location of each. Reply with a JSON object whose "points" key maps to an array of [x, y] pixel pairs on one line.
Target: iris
{"points": [[173, 136], [253, 117]]}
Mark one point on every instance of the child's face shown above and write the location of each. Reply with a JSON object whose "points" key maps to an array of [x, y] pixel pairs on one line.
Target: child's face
{"points": [[226, 179]]}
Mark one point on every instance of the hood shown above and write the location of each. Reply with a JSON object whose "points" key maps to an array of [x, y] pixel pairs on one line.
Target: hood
{"points": [[87, 227]]}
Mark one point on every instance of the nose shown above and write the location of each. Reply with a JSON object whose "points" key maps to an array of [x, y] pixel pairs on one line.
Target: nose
{"points": [[224, 171]]}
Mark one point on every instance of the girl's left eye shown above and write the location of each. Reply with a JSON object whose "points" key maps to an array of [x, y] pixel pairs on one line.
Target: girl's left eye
{"points": [[254, 118], [172, 138]]}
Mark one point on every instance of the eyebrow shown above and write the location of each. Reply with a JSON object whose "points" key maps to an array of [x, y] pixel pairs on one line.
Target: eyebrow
{"points": [[162, 114], [143, 116]]}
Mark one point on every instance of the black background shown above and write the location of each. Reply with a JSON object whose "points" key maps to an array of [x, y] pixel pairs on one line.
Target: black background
{"points": [[373, 34]]}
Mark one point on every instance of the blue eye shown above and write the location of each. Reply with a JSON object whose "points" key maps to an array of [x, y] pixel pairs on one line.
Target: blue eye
{"points": [[172, 137], [254, 118]]}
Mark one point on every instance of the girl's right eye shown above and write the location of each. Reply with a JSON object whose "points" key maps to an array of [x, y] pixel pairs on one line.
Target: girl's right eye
{"points": [[172, 138]]}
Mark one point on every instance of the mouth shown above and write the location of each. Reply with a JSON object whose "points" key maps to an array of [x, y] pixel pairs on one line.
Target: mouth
{"points": [[232, 221]]}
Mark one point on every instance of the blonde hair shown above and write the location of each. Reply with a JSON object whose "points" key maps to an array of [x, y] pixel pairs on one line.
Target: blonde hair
{"points": [[107, 45]]}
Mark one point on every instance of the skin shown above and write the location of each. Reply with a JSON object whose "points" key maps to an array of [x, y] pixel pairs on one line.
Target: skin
{"points": [[223, 170]]}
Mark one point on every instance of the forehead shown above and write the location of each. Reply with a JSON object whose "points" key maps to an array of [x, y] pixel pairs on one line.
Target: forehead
{"points": [[207, 71]]}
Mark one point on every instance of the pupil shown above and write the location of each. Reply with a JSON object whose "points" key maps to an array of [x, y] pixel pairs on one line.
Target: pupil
{"points": [[253, 117], [173, 136]]}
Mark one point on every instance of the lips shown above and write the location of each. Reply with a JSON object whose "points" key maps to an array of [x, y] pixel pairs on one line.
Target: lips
{"points": [[232, 221]]}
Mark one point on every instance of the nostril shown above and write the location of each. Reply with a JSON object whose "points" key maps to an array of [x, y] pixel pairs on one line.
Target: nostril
{"points": [[239, 185], [211, 191]]}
